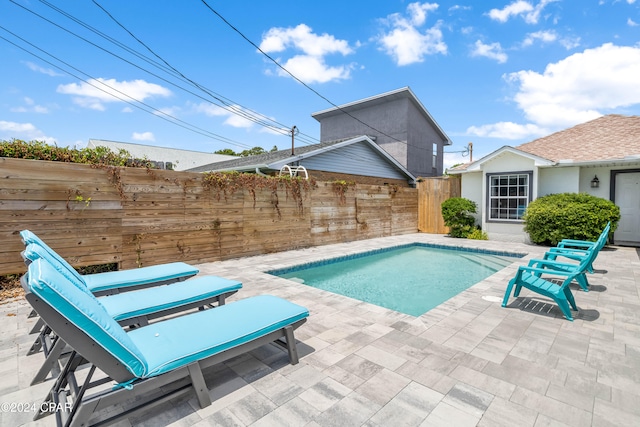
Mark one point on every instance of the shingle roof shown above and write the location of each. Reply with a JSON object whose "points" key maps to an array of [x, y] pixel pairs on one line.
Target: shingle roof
{"points": [[262, 159], [608, 137]]}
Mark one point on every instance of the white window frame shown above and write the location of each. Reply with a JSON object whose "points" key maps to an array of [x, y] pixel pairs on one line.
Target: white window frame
{"points": [[508, 195], [434, 157]]}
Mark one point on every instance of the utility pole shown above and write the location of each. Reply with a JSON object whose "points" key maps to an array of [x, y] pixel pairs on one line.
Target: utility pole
{"points": [[294, 132], [470, 148]]}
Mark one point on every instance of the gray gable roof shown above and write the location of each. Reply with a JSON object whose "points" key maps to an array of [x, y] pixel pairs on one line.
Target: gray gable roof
{"points": [[361, 153]]}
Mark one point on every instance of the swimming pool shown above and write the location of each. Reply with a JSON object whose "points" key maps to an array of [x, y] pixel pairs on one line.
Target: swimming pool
{"points": [[411, 279]]}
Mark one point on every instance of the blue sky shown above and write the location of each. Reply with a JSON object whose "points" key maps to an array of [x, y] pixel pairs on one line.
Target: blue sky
{"points": [[175, 74]]}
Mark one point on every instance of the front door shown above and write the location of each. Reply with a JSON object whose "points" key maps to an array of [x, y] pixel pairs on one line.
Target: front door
{"points": [[628, 199]]}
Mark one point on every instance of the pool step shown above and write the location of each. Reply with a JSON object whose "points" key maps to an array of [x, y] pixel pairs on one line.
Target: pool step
{"points": [[492, 261]]}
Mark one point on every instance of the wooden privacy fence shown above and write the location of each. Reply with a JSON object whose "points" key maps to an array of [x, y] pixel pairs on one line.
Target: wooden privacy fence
{"points": [[138, 217], [431, 193]]}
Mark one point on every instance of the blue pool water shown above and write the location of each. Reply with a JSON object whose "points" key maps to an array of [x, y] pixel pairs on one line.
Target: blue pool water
{"points": [[411, 279]]}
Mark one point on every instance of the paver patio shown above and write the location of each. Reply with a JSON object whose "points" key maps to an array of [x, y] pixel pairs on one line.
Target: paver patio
{"points": [[467, 362]]}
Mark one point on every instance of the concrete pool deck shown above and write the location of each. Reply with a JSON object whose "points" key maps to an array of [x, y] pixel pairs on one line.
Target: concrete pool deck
{"points": [[467, 362]]}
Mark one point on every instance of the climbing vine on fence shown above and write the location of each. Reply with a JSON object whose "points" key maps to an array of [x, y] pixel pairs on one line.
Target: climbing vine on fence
{"points": [[225, 184]]}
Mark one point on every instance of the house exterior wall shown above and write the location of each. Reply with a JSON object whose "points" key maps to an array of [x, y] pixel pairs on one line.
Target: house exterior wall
{"points": [[400, 129], [471, 188], [355, 159], [326, 176], [559, 180], [604, 176], [390, 118], [421, 138], [509, 231]]}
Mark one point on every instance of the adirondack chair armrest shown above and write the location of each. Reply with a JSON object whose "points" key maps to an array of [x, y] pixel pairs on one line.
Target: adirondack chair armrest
{"points": [[551, 263], [575, 243], [572, 251], [530, 269]]}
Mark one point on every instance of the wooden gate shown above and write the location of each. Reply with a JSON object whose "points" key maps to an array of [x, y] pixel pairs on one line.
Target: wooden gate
{"points": [[431, 193]]}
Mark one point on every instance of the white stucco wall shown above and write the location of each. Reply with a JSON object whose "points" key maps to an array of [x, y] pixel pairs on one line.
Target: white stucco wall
{"points": [[558, 180], [471, 188], [604, 176], [507, 162]]}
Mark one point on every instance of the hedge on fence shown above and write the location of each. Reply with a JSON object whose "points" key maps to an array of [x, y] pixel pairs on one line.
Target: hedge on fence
{"points": [[549, 219], [40, 150]]}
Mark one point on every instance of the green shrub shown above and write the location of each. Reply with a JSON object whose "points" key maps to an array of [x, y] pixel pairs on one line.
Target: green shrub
{"points": [[40, 150], [478, 234], [549, 219], [456, 212]]}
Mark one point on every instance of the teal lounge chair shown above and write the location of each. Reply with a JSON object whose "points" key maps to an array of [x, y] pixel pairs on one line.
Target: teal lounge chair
{"points": [[130, 308], [114, 282], [166, 357], [530, 278], [568, 249]]}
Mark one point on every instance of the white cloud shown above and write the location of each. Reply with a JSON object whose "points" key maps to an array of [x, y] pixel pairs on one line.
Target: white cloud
{"points": [[576, 89], [492, 51], [313, 69], [302, 38], [457, 7], [310, 66], [530, 13], [239, 119], [513, 9], [42, 70], [506, 130], [631, 22], [580, 86], [570, 42], [143, 136], [17, 127], [542, 36], [418, 12], [26, 131], [31, 107], [405, 42], [94, 93]]}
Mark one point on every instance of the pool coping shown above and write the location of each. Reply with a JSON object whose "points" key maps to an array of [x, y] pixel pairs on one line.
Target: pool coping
{"points": [[333, 260]]}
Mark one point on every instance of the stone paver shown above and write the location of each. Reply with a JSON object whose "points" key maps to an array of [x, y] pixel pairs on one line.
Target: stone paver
{"points": [[466, 362]]}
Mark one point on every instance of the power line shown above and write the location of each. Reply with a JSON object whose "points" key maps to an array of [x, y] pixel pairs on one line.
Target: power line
{"points": [[232, 108], [158, 113], [116, 55], [297, 79], [227, 104]]}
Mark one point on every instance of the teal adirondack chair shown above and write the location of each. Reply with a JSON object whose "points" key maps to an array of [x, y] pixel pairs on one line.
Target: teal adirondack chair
{"points": [[530, 278], [535, 277], [571, 249]]}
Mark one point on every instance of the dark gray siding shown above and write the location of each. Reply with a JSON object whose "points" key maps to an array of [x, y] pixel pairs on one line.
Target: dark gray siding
{"points": [[401, 129], [389, 118], [422, 136]]}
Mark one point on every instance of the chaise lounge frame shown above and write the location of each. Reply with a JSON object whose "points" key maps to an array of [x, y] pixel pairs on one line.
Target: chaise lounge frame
{"points": [[87, 403]]}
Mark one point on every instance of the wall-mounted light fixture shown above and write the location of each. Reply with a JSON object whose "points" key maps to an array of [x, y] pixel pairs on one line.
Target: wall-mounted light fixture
{"points": [[595, 182]]}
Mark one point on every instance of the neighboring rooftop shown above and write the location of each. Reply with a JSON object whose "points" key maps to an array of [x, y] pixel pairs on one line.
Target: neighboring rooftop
{"points": [[605, 138], [393, 95], [180, 159], [611, 137], [358, 156]]}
